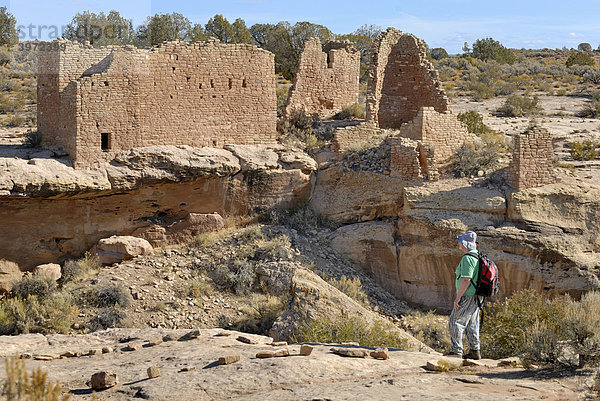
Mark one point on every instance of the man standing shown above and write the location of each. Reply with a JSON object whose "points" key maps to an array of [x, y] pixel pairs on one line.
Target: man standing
{"points": [[465, 313]]}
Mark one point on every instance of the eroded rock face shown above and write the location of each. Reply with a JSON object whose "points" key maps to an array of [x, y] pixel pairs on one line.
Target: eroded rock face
{"points": [[348, 196], [58, 212], [543, 240]]}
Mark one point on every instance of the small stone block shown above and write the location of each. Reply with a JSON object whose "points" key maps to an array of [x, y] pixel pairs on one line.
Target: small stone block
{"points": [[107, 350], [223, 334], [95, 352], [169, 337], [103, 380], [380, 353], [153, 371], [247, 340], [188, 369], [281, 352], [279, 343], [305, 350], [351, 352], [68, 354], [229, 359], [265, 354]]}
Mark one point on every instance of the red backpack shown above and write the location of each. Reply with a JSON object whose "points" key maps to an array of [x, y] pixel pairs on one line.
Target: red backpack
{"points": [[488, 282]]}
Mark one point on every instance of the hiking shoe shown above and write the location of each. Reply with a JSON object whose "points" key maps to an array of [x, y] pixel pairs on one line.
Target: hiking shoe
{"points": [[453, 355], [473, 354]]}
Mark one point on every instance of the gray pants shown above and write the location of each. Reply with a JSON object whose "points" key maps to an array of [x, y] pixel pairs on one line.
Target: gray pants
{"points": [[465, 318]]}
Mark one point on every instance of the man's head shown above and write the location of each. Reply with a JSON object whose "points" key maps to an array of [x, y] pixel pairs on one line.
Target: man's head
{"points": [[468, 240]]}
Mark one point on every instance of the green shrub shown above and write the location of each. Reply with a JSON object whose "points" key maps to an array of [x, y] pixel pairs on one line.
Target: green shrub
{"points": [[583, 151], [519, 106], [355, 110], [19, 387], [490, 49], [474, 122], [579, 58], [301, 218], [342, 328], [53, 314], [351, 287], [106, 294], [107, 318], [41, 287]]}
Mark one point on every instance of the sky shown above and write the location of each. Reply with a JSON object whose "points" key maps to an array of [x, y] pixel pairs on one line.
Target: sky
{"points": [[441, 23]]}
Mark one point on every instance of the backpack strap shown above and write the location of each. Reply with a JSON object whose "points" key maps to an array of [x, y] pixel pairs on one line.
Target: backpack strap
{"points": [[476, 257]]}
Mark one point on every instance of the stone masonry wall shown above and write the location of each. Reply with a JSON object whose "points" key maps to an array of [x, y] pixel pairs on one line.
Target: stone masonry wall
{"points": [[412, 160], [201, 94], [532, 160], [60, 63], [401, 80], [354, 136], [443, 131], [326, 79]]}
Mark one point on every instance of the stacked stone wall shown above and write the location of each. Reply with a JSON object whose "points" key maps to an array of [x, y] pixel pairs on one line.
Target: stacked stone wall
{"points": [[401, 80], [60, 63], [354, 136], [404, 159], [201, 94], [411, 160], [443, 131], [532, 160], [326, 79]]}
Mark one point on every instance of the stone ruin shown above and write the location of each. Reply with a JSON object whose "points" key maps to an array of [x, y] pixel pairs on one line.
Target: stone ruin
{"points": [[532, 160], [404, 93], [326, 79], [401, 80], [94, 102]]}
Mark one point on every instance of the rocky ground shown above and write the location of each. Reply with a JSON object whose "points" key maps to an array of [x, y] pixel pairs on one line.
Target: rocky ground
{"points": [[189, 370]]}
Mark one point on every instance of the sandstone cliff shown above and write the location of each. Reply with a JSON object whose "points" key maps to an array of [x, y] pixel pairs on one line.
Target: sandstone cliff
{"points": [[49, 211]]}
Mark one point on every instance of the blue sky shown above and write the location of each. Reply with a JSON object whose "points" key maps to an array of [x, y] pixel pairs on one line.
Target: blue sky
{"points": [[441, 23]]}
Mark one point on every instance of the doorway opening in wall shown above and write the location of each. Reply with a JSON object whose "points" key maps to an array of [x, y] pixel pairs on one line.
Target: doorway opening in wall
{"points": [[105, 141]]}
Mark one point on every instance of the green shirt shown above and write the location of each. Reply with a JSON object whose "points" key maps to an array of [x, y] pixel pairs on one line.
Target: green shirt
{"points": [[468, 267]]}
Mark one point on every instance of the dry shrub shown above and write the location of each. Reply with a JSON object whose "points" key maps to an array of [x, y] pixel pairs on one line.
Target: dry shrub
{"points": [[519, 106], [107, 318], [429, 328], [351, 287], [19, 387], [53, 314], [76, 269], [41, 287], [260, 314], [469, 159], [342, 328], [560, 331], [105, 294], [354, 111]]}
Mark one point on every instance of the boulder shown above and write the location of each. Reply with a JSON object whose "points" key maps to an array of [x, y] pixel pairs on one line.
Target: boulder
{"points": [[103, 380], [380, 353], [196, 223], [118, 248], [306, 350], [228, 359], [49, 270], [153, 371], [9, 272]]}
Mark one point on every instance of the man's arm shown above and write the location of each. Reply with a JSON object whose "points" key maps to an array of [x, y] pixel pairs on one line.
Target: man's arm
{"points": [[464, 284]]}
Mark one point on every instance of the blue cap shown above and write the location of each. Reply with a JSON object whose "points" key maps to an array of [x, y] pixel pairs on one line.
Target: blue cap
{"points": [[468, 240]]}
